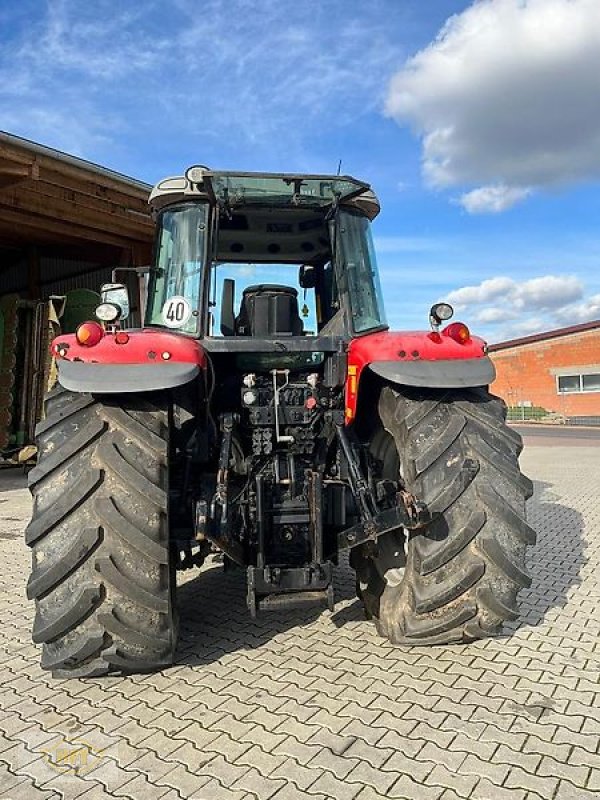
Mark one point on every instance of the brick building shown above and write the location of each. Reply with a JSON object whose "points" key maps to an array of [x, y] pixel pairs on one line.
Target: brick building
{"points": [[557, 371]]}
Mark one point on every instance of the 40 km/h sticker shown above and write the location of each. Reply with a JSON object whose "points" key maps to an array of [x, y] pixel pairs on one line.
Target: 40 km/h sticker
{"points": [[176, 312]]}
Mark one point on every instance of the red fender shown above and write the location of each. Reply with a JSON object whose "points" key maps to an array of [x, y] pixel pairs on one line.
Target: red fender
{"points": [[127, 361], [145, 346], [417, 358]]}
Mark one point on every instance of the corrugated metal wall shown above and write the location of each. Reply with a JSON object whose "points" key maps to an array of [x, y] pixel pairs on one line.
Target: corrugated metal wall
{"points": [[57, 276], [13, 278]]}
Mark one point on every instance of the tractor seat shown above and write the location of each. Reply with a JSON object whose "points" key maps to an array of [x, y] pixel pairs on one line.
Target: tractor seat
{"points": [[269, 310]]}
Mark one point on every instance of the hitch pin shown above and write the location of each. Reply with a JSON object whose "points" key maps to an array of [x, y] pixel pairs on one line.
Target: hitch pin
{"points": [[417, 511]]}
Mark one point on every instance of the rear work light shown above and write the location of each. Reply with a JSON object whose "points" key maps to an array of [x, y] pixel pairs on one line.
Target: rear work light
{"points": [[89, 333], [458, 331], [108, 312]]}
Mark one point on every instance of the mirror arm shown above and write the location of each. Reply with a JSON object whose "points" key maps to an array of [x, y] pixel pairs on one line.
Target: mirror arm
{"points": [[140, 271]]}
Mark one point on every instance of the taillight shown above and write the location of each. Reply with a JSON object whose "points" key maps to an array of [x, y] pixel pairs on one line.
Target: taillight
{"points": [[458, 331], [89, 333]]}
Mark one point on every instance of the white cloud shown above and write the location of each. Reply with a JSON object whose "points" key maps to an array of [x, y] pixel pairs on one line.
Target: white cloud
{"points": [[490, 289], [507, 98], [548, 293], [495, 314], [507, 308], [88, 43], [492, 199], [524, 327], [580, 312]]}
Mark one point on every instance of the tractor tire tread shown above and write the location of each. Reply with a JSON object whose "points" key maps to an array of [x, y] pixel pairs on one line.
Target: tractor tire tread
{"points": [[464, 571], [43, 524], [432, 559], [70, 615], [43, 581], [71, 448], [111, 518], [101, 576], [129, 588], [425, 458], [68, 408]]}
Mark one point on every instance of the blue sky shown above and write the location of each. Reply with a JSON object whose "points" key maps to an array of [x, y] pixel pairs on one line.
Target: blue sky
{"points": [[478, 124]]}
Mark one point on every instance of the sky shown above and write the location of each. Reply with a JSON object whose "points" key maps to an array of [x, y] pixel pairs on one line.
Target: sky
{"points": [[477, 124]]}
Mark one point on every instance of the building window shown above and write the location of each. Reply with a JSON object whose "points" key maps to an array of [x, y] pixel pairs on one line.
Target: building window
{"points": [[568, 384], [591, 383]]}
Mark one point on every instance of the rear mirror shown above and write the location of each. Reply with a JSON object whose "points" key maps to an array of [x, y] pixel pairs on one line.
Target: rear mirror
{"points": [[307, 276], [117, 295]]}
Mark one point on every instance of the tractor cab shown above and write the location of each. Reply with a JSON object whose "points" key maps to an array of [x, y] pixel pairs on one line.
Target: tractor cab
{"points": [[264, 256]]}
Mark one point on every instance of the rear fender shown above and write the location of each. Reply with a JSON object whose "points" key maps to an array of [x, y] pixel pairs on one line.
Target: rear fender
{"points": [[417, 358], [148, 361]]}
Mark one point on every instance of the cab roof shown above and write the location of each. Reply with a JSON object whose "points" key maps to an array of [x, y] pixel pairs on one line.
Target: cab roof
{"points": [[237, 189]]}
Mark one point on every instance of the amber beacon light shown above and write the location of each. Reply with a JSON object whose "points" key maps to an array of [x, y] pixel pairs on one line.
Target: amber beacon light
{"points": [[458, 331]]}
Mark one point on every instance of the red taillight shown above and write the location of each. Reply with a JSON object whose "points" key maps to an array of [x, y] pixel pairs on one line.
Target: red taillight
{"points": [[458, 331], [121, 337], [89, 333]]}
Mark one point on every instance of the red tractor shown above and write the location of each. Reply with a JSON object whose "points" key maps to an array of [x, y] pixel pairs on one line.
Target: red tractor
{"points": [[278, 425]]}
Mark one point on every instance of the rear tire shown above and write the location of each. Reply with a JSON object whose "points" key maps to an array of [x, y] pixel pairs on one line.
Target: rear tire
{"points": [[458, 579], [102, 577]]}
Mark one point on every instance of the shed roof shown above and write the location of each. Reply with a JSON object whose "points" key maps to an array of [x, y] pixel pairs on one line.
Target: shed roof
{"points": [[545, 336], [47, 196]]}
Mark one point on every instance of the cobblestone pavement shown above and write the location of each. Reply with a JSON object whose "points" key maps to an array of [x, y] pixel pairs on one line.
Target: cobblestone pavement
{"points": [[307, 705]]}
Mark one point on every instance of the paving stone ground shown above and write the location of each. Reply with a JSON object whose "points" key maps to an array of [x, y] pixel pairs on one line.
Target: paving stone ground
{"points": [[315, 705]]}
